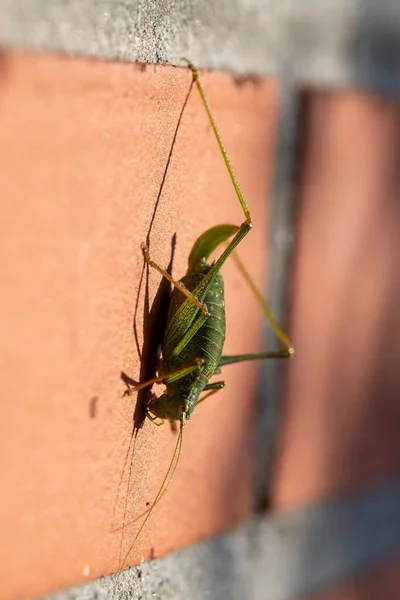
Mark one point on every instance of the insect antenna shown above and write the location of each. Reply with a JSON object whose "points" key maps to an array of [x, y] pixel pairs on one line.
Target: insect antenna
{"points": [[162, 489]]}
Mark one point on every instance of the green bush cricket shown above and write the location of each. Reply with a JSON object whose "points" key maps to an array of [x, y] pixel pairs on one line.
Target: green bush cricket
{"points": [[195, 332]]}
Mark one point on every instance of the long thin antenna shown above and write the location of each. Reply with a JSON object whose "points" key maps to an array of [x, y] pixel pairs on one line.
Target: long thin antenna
{"points": [[163, 487]]}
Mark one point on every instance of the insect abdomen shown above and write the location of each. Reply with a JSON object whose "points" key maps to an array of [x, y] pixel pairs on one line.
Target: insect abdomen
{"points": [[208, 341]]}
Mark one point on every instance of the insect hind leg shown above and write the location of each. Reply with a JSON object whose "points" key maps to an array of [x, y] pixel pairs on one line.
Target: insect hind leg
{"points": [[245, 227], [287, 349], [287, 346]]}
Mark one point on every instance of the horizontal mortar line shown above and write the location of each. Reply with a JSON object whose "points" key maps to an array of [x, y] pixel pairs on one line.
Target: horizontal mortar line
{"points": [[271, 558], [339, 42]]}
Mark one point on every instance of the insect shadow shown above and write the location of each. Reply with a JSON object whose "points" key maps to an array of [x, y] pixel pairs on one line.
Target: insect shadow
{"points": [[154, 323], [154, 319]]}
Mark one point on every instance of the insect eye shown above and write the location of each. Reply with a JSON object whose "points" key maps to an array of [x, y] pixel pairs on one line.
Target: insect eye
{"points": [[184, 408]]}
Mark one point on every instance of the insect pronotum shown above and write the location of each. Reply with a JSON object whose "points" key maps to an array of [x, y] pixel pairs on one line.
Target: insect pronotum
{"points": [[195, 332]]}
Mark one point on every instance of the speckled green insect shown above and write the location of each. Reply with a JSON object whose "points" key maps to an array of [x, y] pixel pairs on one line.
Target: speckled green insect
{"points": [[195, 333]]}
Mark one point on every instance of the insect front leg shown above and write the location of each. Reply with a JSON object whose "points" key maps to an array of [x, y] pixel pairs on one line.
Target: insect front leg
{"points": [[157, 421], [212, 388]]}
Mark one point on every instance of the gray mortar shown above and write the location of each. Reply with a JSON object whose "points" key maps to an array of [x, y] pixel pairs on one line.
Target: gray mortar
{"points": [[335, 42]]}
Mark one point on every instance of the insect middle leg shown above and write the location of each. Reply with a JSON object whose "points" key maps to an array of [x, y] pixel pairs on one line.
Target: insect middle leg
{"points": [[170, 375]]}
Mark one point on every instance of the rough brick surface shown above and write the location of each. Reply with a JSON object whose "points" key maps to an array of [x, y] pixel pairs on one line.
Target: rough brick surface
{"points": [[83, 148]]}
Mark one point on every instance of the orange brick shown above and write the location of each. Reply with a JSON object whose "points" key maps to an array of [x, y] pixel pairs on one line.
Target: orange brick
{"points": [[83, 147]]}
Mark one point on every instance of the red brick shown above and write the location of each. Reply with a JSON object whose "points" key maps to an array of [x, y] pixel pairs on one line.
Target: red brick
{"points": [[341, 416], [83, 147]]}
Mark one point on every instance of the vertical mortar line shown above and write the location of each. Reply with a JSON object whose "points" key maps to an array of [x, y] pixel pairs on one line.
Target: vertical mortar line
{"points": [[281, 237]]}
